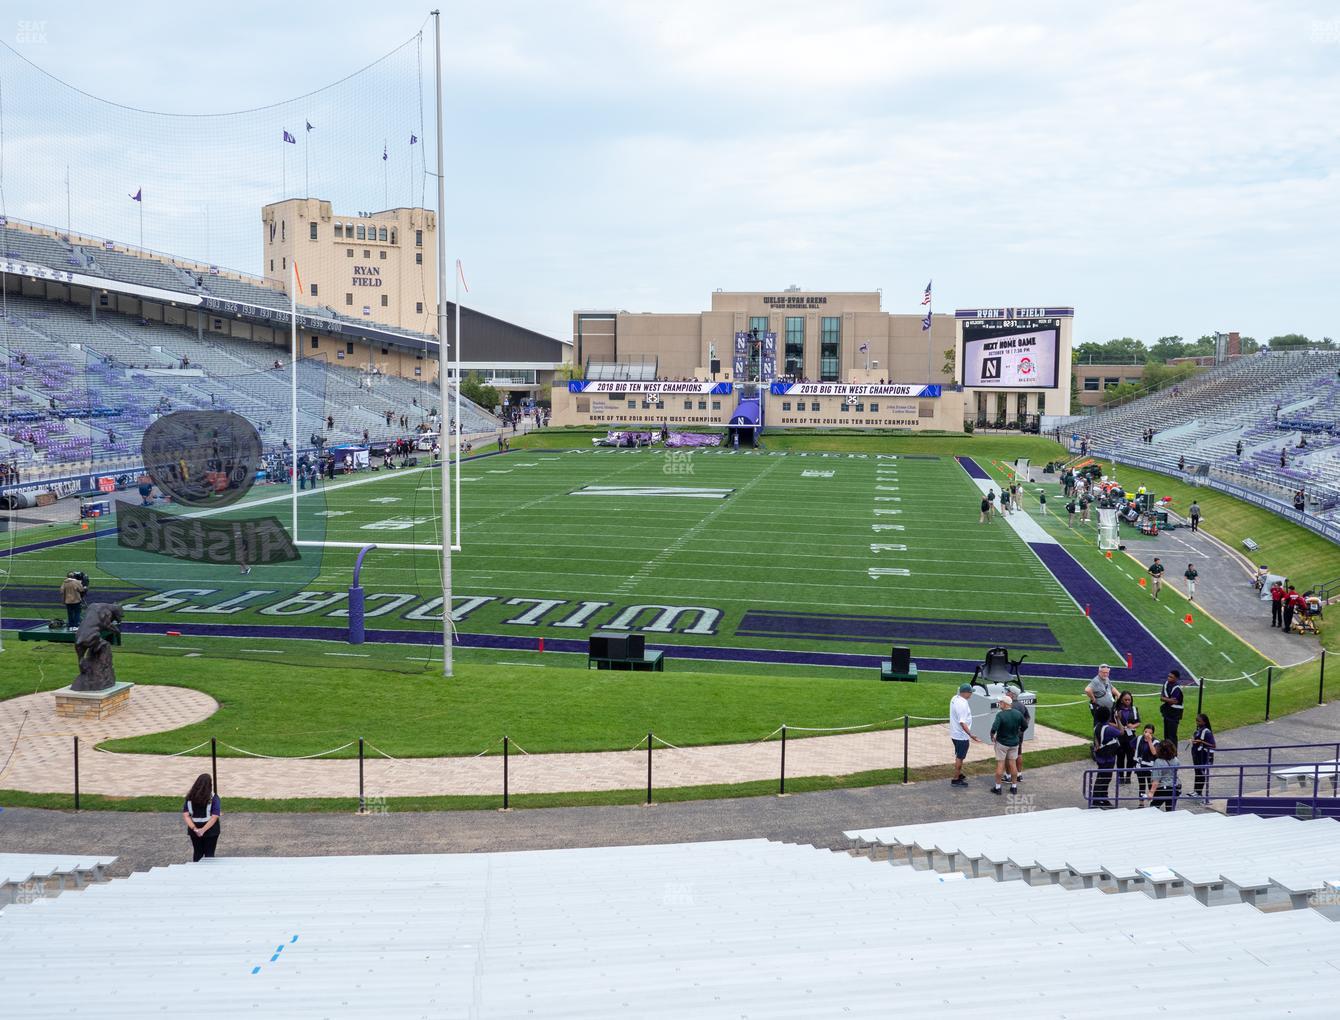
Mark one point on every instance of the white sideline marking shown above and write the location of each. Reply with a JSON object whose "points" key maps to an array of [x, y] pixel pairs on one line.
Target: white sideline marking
{"points": [[876, 547], [877, 572], [888, 499], [816, 474], [887, 527], [350, 655], [264, 651], [1205, 639], [1225, 655], [886, 513], [886, 488], [181, 648]]}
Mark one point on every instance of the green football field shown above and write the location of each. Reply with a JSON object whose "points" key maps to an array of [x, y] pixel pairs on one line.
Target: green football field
{"points": [[726, 554]]}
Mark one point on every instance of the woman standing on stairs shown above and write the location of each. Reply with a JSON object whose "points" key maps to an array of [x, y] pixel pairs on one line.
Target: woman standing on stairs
{"points": [[201, 813]]}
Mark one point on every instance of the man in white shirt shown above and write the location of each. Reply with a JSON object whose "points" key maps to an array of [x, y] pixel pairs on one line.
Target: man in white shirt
{"points": [[960, 732]]}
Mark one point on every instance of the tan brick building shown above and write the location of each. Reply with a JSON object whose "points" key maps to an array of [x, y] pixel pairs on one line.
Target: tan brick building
{"points": [[380, 267]]}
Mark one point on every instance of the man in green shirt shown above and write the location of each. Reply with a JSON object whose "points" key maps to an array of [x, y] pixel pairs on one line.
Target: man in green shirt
{"points": [[1191, 575], [1155, 577], [1007, 734]]}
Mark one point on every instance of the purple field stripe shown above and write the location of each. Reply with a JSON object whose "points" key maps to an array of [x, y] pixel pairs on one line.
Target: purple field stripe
{"points": [[1113, 620], [906, 619], [973, 468], [877, 629], [53, 542], [524, 644], [888, 639]]}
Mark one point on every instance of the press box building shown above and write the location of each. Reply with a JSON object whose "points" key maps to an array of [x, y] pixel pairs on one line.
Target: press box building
{"points": [[818, 359]]}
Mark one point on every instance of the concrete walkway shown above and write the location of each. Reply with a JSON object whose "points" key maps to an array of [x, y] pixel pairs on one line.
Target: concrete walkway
{"points": [[42, 761]]}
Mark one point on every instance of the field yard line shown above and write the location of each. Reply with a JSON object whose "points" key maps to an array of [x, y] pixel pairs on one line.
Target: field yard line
{"points": [[1205, 639], [650, 565]]}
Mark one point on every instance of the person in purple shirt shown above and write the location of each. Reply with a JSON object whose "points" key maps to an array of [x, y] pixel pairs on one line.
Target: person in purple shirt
{"points": [[201, 811]]}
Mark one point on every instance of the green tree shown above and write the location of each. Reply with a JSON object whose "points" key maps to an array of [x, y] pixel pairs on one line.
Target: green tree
{"points": [[473, 388], [1288, 341], [1250, 345], [1123, 351], [948, 367], [1167, 347]]}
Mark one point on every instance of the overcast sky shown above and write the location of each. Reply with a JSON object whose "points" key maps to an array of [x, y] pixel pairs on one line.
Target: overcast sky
{"points": [[1164, 167]]}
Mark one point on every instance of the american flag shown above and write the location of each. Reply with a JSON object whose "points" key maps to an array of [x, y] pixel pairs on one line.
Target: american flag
{"points": [[865, 348], [926, 298]]}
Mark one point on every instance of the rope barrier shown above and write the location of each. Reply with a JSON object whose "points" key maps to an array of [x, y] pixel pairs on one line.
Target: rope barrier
{"points": [[178, 754], [15, 746], [287, 757]]}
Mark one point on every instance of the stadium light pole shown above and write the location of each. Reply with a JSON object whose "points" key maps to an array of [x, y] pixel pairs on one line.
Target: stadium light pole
{"points": [[445, 457]]}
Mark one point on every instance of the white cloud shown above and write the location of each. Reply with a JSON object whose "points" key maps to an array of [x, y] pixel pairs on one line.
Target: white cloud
{"points": [[1152, 163]]}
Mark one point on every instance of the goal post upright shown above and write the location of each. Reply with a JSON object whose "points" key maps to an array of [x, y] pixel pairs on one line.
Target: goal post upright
{"points": [[443, 448]]}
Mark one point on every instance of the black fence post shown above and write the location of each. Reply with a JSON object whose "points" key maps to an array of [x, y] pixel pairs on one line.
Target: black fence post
{"points": [[214, 763], [1270, 682], [76, 773], [1200, 695], [649, 740], [506, 792], [905, 731], [781, 787], [362, 801], [1321, 679]]}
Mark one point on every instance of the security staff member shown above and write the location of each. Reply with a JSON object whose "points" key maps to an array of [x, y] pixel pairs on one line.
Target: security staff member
{"points": [[1156, 577], [1171, 706]]}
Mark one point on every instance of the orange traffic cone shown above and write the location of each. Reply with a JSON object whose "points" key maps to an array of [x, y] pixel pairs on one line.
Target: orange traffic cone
{"points": [[1187, 621], [1108, 554], [1142, 582]]}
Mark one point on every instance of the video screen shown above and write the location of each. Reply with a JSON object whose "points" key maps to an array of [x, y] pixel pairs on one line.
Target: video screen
{"points": [[1010, 353]]}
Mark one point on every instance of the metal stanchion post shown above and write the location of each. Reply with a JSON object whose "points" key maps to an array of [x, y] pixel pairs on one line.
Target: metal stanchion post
{"points": [[781, 786], [76, 773], [362, 801], [1200, 694], [905, 730], [507, 793], [649, 739], [214, 763], [1321, 679], [1270, 682]]}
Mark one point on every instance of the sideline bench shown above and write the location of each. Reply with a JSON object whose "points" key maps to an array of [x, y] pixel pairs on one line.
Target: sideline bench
{"points": [[899, 666], [623, 651], [62, 635]]}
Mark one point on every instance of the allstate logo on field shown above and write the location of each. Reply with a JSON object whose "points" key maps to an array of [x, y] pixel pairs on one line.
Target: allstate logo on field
{"points": [[202, 458]]}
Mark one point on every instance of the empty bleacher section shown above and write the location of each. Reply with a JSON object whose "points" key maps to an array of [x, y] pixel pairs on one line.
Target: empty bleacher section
{"points": [[1268, 402], [1219, 859], [145, 272], [747, 928], [24, 876], [79, 388]]}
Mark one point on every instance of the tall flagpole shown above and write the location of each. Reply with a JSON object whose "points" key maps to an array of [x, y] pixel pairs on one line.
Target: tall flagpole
{"points": [[441, 342], [141, 204]]}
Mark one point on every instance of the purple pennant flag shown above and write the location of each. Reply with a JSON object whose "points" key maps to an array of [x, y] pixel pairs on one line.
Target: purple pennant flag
{"points": [[309, 125], [926, 322], [413, 139], [289, 138], [138, 196], [383, 150]]}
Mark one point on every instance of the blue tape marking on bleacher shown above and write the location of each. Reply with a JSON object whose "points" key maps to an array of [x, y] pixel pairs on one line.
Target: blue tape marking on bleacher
{"points": [[274, 958], [292, 940], [255, 970]]}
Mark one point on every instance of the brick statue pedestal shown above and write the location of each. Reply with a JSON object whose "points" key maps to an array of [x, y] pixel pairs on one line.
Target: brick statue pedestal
{"points": [[92, 705]]}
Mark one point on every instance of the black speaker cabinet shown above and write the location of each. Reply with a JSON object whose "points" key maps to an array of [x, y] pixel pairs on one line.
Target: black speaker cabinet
{"points": [[637, 646], [597, 646], [900, 659], [715, 366]]}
